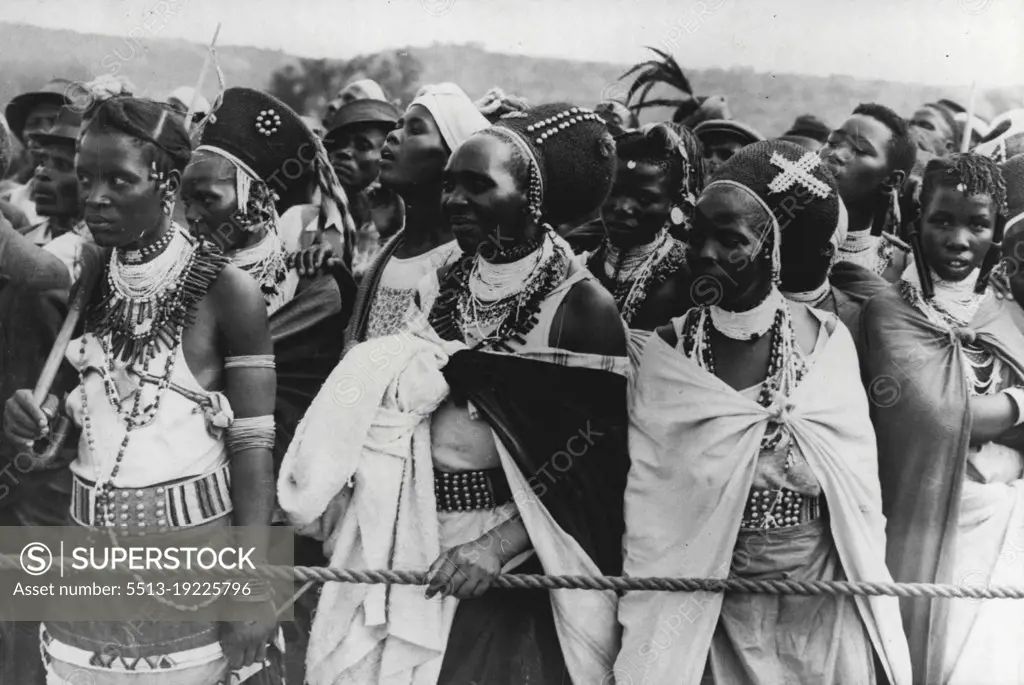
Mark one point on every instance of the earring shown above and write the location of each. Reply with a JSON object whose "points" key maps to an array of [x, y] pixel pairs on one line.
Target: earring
{"points": [[894, 207], [882, 209], [676, 216], [167, 201]]}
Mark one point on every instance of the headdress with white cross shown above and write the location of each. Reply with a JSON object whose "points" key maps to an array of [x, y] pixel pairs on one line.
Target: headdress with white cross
{"points": [[798, 173]]}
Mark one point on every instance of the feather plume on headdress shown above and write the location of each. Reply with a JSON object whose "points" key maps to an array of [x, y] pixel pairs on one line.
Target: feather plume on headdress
{"points": [[690, 109]]}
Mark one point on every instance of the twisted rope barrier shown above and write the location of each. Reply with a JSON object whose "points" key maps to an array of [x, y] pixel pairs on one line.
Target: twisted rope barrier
{"points": [[526, 581]]}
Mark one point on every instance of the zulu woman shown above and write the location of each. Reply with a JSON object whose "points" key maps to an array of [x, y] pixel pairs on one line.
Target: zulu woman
{"points": [[640, 262], [753, 455], [175, 342], [476, 430], [946, 357]]}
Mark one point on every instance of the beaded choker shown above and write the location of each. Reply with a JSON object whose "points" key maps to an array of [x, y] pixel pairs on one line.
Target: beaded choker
{"points": [[863, 249], [141, 255], [811, 298], [751, 324], [143, 307], [497, 255]]}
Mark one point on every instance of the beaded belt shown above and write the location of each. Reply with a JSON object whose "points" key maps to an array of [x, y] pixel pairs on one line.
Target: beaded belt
{"points": [[780, 508], [470, 490], [182, 504]]}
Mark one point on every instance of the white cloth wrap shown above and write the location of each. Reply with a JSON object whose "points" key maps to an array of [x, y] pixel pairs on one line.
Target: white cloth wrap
{"points": [[371, 423], [984, 637], [694, 443]]}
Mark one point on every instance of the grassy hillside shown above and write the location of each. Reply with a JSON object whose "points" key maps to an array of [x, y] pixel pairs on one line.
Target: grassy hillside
{"points": [[29, 56]]}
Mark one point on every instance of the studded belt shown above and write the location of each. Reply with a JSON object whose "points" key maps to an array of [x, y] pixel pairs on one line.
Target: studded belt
{"points": [[156, 508], [780, 508], [470, 490]]}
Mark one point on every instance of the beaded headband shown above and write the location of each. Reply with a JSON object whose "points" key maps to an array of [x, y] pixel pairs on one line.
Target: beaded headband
{"points": [[536, 191]]}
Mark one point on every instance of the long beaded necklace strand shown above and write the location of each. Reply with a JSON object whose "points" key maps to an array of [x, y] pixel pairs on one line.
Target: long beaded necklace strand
{"points": [[165, 299], [786, 366]]}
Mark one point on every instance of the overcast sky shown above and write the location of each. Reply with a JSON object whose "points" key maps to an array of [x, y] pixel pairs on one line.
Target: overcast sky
{"points": [[944, 42]]}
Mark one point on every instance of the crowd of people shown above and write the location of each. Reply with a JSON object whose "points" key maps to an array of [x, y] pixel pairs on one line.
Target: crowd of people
{"points": [[489, 337]]}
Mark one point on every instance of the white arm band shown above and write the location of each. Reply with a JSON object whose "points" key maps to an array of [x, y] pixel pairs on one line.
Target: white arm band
{"points": [[1016, 395]]}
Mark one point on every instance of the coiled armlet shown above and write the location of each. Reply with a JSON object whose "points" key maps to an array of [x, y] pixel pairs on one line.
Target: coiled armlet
{"points": [[250, 361], [251, 432]]}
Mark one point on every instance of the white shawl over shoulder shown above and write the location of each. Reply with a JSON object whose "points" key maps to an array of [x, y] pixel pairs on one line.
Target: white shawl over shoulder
{"points": [[694, 442]]}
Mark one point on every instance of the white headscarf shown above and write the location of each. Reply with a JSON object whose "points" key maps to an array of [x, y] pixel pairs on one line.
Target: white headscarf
{"points": [[454, 113]]}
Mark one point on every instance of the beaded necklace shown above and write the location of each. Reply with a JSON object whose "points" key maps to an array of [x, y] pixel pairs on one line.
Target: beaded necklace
{"points": [[952, 308], [857, 250], [496, 292], [516, 253], [266, 262], [811, 298], [751, 324], [786, 368], [625, 265], [631, 277], [140, 306], [141, 255], [455, 317]]}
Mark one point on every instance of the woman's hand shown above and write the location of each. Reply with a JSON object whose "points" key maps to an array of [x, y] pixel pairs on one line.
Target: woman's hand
{"points": [[245, 642], [465, 571], [310, 261], [25, 421]]}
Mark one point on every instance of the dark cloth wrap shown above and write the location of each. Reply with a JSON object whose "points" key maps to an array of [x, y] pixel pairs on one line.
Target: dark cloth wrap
{"points": [[920, 407], [537, 409]]}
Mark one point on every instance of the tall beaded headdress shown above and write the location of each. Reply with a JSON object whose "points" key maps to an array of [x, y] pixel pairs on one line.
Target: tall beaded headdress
{"points": [[571, 157]]}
